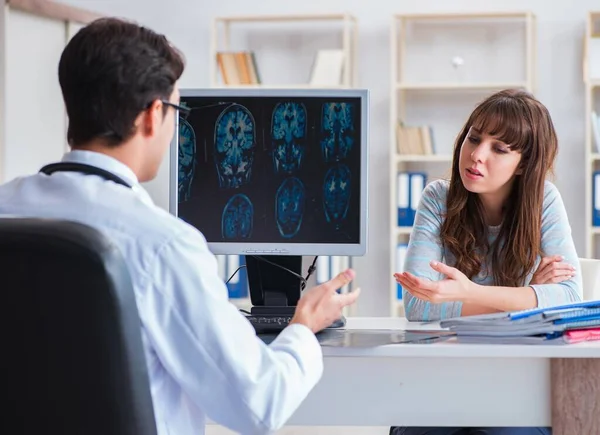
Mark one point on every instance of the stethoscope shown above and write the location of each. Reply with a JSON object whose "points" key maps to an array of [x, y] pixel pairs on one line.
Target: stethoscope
{"points": [[84, 169]]}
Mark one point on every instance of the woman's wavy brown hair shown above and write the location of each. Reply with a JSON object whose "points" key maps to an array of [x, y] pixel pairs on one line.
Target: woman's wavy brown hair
{"points": [[518, 119]]}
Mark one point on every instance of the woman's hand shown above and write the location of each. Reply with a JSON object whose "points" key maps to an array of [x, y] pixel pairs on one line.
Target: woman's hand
{"points": [[552, 270], [457, 287]]}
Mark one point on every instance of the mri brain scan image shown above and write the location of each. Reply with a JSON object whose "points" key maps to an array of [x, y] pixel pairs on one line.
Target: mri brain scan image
{"points": [[336, 193], [235, 144], [289, 207], [238, 218], [288, 134], [187, 159], [337, 130]]}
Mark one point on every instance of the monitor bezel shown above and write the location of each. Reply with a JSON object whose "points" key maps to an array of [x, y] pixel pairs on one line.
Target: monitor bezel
{"points": [[256, 248]]}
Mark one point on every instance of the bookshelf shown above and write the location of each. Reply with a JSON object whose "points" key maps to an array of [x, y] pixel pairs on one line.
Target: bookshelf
{"points": [[436, 80], [591, 79], [345, 26]]}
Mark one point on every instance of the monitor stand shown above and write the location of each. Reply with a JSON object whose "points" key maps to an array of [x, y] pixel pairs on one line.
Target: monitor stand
{"points": [[273, 289], [274, 284]]}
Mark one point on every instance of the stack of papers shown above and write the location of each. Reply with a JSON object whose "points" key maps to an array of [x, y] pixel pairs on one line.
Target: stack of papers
{"points": [[540, 325]]}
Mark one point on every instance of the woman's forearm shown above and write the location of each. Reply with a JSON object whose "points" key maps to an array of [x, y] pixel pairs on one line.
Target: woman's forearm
{"points": [[489, 299], [469, 309]]}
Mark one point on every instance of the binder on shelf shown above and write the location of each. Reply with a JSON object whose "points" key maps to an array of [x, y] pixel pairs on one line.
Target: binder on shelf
{"points": [[237, 287], [330, 266], [323, 269], [221, 264], [401, 249], [410, 186], [596, 199]]}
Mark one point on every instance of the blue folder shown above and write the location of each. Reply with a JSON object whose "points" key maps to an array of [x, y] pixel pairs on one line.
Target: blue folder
{"points": [[548, 310]]}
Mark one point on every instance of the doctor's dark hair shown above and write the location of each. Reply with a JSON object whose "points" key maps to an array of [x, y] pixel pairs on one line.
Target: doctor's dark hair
{"points": [[110, 72], [519, 120]]}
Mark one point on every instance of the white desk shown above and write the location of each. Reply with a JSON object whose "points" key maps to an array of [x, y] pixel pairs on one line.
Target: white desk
{"points": [[452, 384]]}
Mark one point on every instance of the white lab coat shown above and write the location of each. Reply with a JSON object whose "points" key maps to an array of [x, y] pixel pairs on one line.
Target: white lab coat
{"points": [[204, 359]]}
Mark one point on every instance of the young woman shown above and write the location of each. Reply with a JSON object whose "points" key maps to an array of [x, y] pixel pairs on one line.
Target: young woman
{"points": [[496, 237]]}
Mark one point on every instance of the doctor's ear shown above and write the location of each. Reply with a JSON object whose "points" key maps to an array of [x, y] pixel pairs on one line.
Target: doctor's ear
{"points": [[149, 120]]}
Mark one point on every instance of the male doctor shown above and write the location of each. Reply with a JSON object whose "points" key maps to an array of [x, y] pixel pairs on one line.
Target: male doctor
{"points": [[119, 84]]}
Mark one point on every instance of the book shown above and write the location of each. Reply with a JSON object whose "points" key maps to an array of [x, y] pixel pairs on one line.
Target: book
{"points": [[228, 67], [580, 335], [414, 140], [567, 337], [238, 68], [327, 68]]}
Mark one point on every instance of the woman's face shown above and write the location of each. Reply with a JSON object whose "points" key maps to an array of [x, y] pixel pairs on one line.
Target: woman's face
{"points": [[487, 165]]}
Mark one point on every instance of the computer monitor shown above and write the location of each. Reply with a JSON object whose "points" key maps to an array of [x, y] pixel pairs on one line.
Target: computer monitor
{"points": [[273, 175]]}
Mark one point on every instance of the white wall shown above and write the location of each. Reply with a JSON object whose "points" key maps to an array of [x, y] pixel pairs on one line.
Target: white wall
{"points": [[560, 30], [35, 122], [3, 45]]}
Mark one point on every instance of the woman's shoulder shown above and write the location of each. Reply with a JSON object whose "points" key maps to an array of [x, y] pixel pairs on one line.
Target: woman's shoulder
{"points": [[553, 202], [551, 192], [437, 190], [434, 195]]}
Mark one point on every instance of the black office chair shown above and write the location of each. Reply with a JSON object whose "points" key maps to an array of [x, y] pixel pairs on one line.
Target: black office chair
{"points": [[71, 347]]}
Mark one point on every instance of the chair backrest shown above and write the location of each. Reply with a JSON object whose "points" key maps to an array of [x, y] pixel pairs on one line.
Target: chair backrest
{"points": [[590, 275], [72, 349]]}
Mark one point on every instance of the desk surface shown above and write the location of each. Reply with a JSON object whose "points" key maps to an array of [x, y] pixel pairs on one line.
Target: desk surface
{"points": [[452, 384], [451, 348]]}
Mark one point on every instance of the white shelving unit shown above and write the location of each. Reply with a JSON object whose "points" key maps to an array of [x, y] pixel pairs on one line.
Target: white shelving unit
{"points": [[346, 25], [415, 38], [591, 79]]}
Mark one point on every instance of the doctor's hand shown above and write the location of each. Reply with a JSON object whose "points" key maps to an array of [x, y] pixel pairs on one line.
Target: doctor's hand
{"points": [[456, 287], [552, 270], [322, 305]]}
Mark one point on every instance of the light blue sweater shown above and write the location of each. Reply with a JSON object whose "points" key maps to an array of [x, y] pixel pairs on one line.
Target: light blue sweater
{"points": [[425, 245]]}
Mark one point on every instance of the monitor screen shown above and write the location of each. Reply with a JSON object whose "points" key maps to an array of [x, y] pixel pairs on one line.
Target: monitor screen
{"points": [[280, 172]]}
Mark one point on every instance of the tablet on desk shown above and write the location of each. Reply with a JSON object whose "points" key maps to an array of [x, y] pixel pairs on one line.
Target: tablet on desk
{"points": [[373, 337], [380, 337]]}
